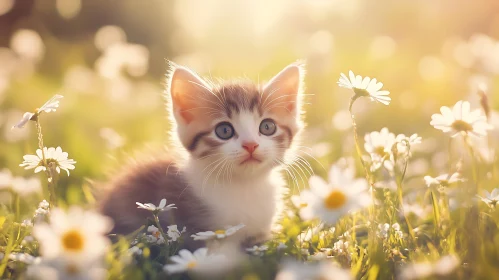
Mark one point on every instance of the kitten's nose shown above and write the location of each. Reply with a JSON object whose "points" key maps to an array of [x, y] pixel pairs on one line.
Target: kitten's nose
{"points": [[250, 146]]}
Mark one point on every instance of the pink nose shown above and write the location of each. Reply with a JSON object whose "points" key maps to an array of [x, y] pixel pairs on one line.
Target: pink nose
{"points": [[250, 146]]}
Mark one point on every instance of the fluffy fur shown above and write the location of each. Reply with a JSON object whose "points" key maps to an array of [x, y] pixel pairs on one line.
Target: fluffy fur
{"points": [[215, 182]]}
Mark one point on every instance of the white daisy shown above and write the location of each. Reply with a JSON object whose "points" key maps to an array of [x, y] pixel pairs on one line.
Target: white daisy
{"points": [[155, 235], [52, 155], [298, 202], [173, 233], [442, 267], [218, 234], [379, 146], [444, 180], [461, 120], [491, 198], [50, 106], [281, 246], [25, 187], [365, 87], [26, 118], [27, 223], [384, 230], [75, 234], [403, 141], [341, 247], [41, 211], [67, 269], [44, 204], [25, 258], [5, 178], [292, 270], [257, 250], [199, 261], [153, 208], [135, 251], [330, 201]]}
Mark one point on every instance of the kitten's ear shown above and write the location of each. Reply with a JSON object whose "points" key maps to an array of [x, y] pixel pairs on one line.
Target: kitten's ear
{"points": [[187, 91], [286, 88]]}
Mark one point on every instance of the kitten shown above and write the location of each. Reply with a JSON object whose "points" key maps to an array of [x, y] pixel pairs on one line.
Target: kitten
{"points": [[231, 141]]}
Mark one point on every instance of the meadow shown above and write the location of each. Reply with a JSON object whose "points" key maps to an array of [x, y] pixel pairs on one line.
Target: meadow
{"points": [[397, 176]]}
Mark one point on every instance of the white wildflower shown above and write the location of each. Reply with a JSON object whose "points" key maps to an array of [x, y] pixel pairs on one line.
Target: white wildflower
{"points": [[297, 201], [326, 270], [68, 269], [384, 230], [44, 204], [281, 246], [27, 223], [340, 247], [153, 208], [442, 267], [135, 251], [404, 142], [217, 234], [173, 233], [444, 180], [198, 262], [365, 87], [309, 233], [52, 155], [257, 250], [155, 236], [24, 258], [76, 234], [379, 146], [50, 106], [41, 211], [461, 120], [490, 198], [330, 201]]}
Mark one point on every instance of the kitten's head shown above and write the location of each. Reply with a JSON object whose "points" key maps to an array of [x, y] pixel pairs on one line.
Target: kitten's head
{"points": [[240, 127]]}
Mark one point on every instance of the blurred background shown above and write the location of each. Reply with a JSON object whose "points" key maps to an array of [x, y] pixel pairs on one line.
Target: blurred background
{"points": [[108, 59]]}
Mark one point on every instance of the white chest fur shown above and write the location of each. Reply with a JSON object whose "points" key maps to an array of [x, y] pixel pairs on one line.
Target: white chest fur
{"points": [[253, 202]]}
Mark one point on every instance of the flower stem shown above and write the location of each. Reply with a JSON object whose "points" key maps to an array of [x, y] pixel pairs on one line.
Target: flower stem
{"points": [[474, 165], [156, 220], [356, 138], [18, 208], [40, 140], [400, 197], [52, 183], [49, 170], [372, 227]]}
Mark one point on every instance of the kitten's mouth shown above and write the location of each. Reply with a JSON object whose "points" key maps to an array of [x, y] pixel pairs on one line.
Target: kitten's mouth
{"points": [[250, 159]]}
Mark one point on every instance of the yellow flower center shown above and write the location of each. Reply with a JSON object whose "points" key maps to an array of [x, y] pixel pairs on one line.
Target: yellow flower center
{"points": [[303, 205], [461, 125], [192, 264], [380, 150], [220, 231], [336, 199], [73, 240], [156, 234]]}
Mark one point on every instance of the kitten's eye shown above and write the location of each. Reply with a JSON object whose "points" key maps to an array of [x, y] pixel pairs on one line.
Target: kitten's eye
{"points": [[267, 127], [224, 131]]}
